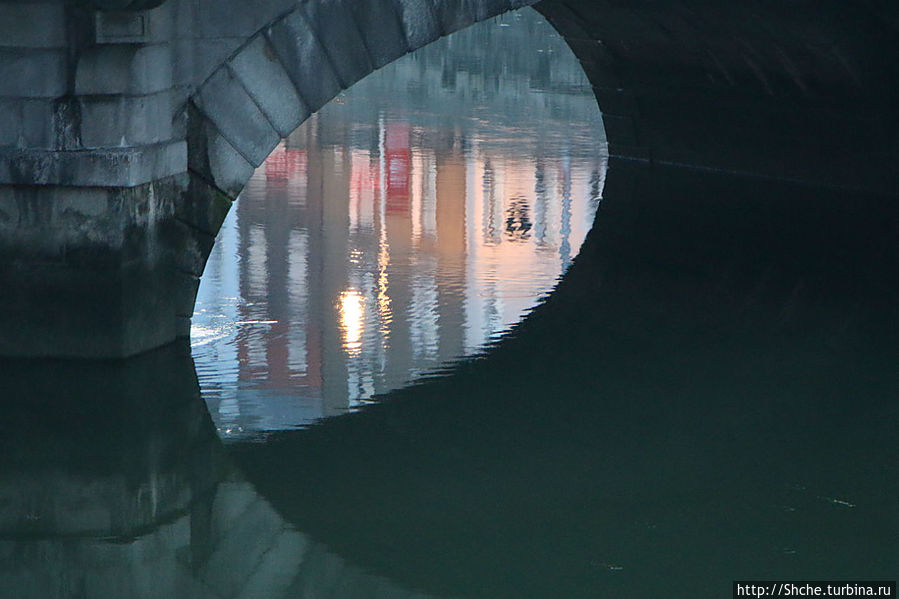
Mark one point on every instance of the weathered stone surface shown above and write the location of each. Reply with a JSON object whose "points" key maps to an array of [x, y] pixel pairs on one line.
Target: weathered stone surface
{"points": [[225, 102], [125, 121], [203, 207], [305, 60], [27, 123], [206, 56], [122, 167], [87, 270], [262, 75], [213, 158], [32, 25], [420, 23], [334, 24], [32, 73], [55, 221], [124, 69], [237, 18], [381, 25], [191, 248], [144, 27]]}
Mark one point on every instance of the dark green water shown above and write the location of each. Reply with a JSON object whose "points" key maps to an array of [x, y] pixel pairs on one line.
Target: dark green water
{"points": [[710, 394]]}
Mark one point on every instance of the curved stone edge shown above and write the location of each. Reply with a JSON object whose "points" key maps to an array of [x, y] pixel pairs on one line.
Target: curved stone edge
{"points": [[297, 63]]}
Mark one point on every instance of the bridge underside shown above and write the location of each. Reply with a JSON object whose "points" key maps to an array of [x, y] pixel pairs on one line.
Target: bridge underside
{"points": [[107, 214]]}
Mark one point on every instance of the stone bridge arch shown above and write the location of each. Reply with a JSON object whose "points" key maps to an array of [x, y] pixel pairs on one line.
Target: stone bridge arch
{"points": [[274, 81], [296, 63], [126, 131]]}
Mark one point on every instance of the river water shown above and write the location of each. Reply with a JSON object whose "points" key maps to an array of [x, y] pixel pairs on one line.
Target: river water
{"points": [[409, 223]]}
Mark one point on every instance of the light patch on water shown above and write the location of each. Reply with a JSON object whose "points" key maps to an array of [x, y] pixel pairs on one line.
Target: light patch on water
{"points": [[837, 501]]}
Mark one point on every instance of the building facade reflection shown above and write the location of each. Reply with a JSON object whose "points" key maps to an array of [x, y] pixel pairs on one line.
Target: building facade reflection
{"points": [[386, 237]]}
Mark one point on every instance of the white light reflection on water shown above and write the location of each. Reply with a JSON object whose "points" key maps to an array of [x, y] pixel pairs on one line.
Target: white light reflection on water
{"points": [[407, 224]]}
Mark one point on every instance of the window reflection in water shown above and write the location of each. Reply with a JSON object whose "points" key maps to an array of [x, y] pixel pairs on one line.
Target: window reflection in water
{"points": [[412, 220]]}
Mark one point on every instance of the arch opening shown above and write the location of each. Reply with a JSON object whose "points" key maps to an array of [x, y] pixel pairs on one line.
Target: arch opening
{"points": [[409, 223]]}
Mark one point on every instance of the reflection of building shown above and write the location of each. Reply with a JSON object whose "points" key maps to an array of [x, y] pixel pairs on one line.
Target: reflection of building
{"points": [[375, 246]]}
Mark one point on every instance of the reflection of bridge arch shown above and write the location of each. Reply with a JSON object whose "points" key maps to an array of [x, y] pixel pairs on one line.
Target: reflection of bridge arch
{"points": [[116, 486]]}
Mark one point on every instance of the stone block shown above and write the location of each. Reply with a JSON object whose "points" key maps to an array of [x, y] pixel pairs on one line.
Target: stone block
{"points": [[203, 207], [32, 73], [262, 75], [10, 121], [27, 123], [213, 158], [121, 27], [90, 273], [184, 15], [183, 69], [37, 123], [130, 27], [305, 60], [225, 102], [125, 121], [124, 69], [119, 167], [453, 15], [33, 25], [334, 24], [96, 311], [419, 22], [381, 25], [206, 56], [184, 293], [191, 248], [238, 18]]}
